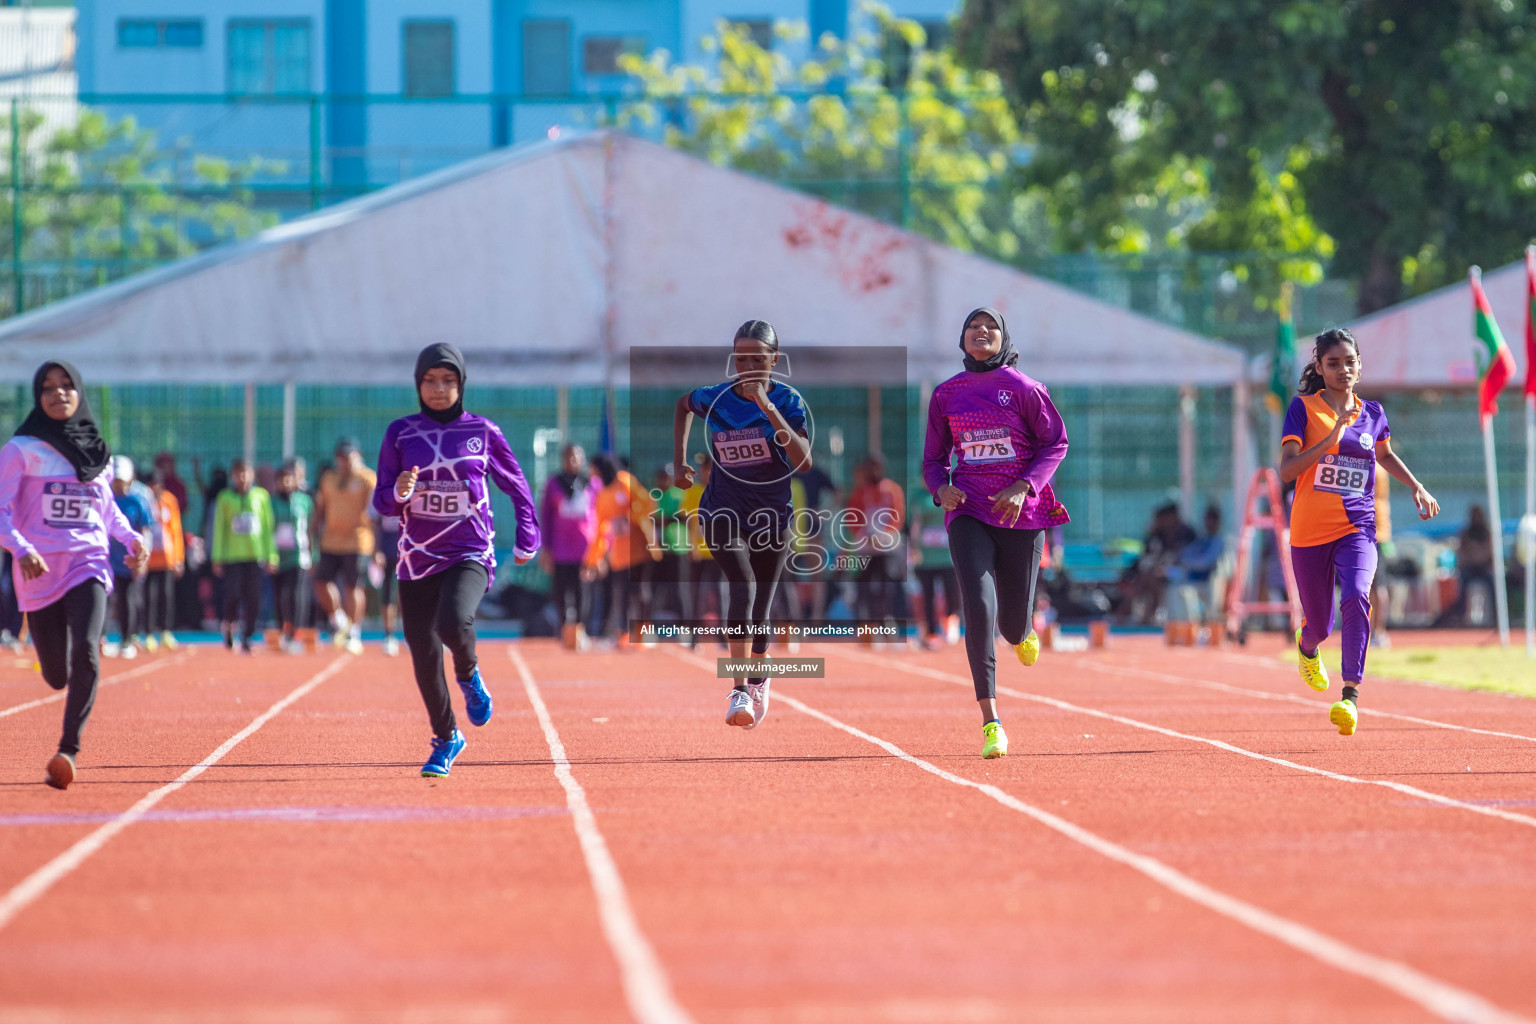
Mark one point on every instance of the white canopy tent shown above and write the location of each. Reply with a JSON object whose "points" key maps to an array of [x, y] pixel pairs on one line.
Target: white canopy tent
{"points": [[546, 263]]}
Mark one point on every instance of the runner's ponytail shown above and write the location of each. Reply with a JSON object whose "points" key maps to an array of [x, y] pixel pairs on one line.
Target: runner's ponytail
{"points": [[1311, 380]]}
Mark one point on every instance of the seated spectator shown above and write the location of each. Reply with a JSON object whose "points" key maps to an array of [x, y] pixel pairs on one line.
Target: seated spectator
{"points": [[1474, 564], [1143, 583], [1191, 594]]}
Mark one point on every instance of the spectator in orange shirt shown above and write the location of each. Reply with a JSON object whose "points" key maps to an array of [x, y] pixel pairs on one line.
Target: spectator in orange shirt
{"points": [[882, 516], [626, 537], [167, 562]]}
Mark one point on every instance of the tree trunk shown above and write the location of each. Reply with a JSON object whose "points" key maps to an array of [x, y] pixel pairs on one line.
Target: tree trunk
{"points": [[1382, 283]]}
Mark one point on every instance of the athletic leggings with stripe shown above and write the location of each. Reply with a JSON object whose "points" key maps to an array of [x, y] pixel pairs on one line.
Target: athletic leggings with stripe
{"points": [[997, 568], [751, 564]]}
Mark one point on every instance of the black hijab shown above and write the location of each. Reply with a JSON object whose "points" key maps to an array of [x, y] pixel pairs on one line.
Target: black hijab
{"points": [[76, 438], [431, 357], [1006, 356]]}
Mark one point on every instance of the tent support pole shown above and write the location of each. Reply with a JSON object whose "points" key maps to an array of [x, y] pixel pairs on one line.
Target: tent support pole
{"points": [[250, 423], [1241, 473], [874, 419], [1188, 396], [290, 417], [563, 413]]}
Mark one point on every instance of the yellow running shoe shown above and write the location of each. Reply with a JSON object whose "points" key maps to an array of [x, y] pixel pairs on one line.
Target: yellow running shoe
{"points": [[1028, 649], [1345, 715], [997, 740], [1312, 671]]}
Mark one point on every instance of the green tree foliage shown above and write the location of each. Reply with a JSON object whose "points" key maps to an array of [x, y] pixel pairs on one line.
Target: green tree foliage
{"points": [[1399, 132], [884, 124], [100, 199]]}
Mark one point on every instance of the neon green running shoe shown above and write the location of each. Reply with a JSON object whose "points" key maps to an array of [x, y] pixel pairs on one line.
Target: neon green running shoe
{"points": [[997, 740], [1312, 671], [1028, 649], [1345, 715]]}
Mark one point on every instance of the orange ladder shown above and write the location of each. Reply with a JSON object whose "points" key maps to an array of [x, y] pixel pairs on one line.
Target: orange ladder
{"points": [[1265, 484]]}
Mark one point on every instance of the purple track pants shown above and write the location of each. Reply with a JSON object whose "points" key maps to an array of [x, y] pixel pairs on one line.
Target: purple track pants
{"points": [[1352, 561]]}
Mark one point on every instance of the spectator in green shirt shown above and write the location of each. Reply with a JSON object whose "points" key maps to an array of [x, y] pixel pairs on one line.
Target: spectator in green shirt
{"points": [[930, 556], [669, 575], [244, 547], [293, 512]]}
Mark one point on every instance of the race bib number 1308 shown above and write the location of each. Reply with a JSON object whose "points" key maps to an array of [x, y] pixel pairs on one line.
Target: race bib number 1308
{"points": [[742, 447]]}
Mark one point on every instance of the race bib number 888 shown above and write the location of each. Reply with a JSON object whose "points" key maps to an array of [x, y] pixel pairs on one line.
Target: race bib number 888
{"points": [[1341, 474]]}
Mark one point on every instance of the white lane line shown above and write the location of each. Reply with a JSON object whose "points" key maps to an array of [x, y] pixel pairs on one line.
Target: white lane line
{"points": [[646, 988], [1422, 794], [119, 677], [1290, 698], [41, 880], [1438, 997]]}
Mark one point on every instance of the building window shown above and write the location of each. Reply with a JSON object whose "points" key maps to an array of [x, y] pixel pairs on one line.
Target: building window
{"points": [[759, 30], [600, 54], [547, 57], [151, 33], [428, 54], [267, 57]]}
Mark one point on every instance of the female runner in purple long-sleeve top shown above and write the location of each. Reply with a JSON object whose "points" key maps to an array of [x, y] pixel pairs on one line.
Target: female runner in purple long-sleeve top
{"points": [[994, 441], [434, 470]]}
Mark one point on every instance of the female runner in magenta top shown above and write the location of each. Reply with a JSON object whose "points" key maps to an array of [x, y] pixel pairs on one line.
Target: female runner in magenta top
{"points": [[57, 514], [1331, 445], [994, 442], [434, 470]]}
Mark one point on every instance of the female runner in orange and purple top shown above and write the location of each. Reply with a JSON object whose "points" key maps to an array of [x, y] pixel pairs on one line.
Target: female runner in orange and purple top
{"points": [[1332, 445]]}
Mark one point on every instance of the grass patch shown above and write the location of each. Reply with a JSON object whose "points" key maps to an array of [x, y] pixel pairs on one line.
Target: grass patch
{"points": [[1466, 668]]}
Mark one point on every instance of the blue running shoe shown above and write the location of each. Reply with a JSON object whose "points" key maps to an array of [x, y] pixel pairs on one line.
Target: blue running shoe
{"points": [[477, 702], [443, 753]]}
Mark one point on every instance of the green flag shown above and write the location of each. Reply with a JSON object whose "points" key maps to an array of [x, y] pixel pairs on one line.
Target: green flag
{"points": [[1495, 363], [1282, 364]]}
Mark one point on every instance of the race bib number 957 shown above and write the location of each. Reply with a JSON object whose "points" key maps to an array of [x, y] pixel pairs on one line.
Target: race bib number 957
{"points": [[994, 445], [441, 499], [1341, 474], [69, 506]]}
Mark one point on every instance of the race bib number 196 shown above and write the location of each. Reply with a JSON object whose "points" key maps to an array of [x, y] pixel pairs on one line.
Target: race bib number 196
{"points": [[742, 447], [1341, 474], [441, 499], [68, 506], [994, 445]]}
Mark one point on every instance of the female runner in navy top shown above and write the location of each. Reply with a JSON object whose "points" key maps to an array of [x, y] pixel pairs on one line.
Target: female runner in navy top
{"points": [[756, 434]]}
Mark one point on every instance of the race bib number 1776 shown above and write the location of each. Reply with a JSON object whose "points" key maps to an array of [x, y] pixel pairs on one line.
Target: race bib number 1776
{"points": [[994, 445]]}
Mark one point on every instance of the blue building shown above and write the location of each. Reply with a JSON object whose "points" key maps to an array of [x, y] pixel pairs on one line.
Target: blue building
{"points": [[283, 80]]}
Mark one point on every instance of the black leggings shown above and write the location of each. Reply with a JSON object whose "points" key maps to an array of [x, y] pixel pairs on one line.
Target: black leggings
{"points": [[67, 637], [751, 566], [568, 593], [613, 589], [997, 568], [242, 593], [160, 599], [292, 599], [128, 603], [438, 611]]}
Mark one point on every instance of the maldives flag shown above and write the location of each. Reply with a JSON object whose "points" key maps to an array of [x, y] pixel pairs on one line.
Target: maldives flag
{"points": [[1530, 321], [1495, 363]]}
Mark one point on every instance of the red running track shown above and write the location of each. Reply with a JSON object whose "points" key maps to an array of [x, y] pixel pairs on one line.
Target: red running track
{"points": [[1176, 836]]}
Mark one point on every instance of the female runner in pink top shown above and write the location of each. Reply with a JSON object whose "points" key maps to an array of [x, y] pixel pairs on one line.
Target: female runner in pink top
{"points": [[56, 515]]}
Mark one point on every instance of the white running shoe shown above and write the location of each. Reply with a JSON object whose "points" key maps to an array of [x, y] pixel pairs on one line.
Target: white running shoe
{"points": [[391, 646], [759, 694], [740, 710], [354, 646]]}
